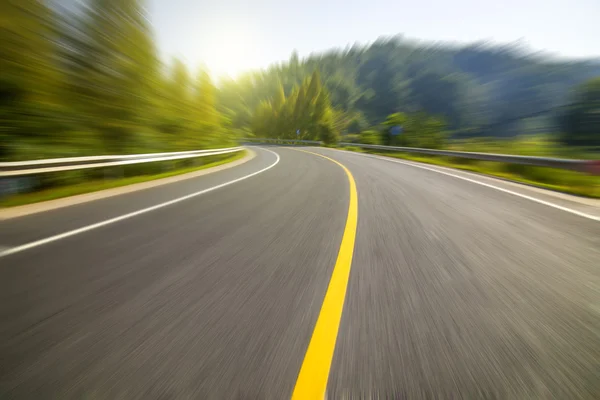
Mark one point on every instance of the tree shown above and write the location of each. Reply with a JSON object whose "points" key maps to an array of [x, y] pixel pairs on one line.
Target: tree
{"points": [[322, 108], [112, 70], [287, 123], [86, 79], [314, 87], [323, 119], [279, 98], [207, 118], [307, 109], [436, 94], [298, 117], [432, 134], [371, 137], [418, 130], [180, 88], [31, 82], [262, 121], [581, 121], [394, 120], [357, 124], [177, 112], [384, 84], [477, 89]]}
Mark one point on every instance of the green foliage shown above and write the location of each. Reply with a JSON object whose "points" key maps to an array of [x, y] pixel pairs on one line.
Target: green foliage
{"points": [[478, 90], [418, 130], [30, 84], [371, 137], [87, 80], [581, 121], [307, 109], [209, 123], [356, 125], [395, 119]]}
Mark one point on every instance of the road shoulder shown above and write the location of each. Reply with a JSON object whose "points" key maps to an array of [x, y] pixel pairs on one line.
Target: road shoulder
{"points": [[587, 207], [19, 211]]}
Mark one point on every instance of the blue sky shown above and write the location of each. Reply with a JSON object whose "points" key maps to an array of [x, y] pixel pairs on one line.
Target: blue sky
{"points": [[230, 36]]}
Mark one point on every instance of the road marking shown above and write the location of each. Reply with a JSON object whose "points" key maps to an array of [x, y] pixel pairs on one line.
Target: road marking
{"points": [[74, 232], [314, 372], [546, 203], [30, 209]]}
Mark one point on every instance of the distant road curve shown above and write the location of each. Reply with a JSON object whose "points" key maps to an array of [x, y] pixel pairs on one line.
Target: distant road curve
{"points": [[566, 202]]}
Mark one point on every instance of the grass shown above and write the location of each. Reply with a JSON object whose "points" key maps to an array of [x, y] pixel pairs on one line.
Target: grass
{"points": [[102, 184], [548, 178], [526, 145]]}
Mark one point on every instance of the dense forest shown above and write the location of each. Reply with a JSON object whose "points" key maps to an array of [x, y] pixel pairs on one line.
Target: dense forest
{"points": [[476, 90], [89, 80]]}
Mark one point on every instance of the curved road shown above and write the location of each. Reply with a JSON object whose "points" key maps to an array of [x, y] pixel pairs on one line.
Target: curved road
{"points": [[460, 287]]}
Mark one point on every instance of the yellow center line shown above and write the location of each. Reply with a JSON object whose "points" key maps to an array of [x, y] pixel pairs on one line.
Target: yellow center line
{"points": [[314, 373]]}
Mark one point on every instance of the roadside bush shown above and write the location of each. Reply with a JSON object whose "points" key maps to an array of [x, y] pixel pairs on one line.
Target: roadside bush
{"points": [[370, 137]]}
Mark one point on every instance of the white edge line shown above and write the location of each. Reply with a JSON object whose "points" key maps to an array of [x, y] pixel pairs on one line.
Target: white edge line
{"points": [[74, 232], [546, 203]]}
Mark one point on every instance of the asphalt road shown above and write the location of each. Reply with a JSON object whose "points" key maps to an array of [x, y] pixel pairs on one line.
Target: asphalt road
{"points": [[457, 289]]}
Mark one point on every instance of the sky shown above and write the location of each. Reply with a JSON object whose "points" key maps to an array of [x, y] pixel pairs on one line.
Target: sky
{"points": [[231, 36]]}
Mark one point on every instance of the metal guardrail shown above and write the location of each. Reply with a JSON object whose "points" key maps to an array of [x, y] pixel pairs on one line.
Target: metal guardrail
{"points": [[283, 141], [21, 168], [592, 167], [586, 166]]}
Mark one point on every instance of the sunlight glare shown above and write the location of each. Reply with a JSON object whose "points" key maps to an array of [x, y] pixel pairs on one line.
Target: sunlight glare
{"points": [[236, 51]]}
